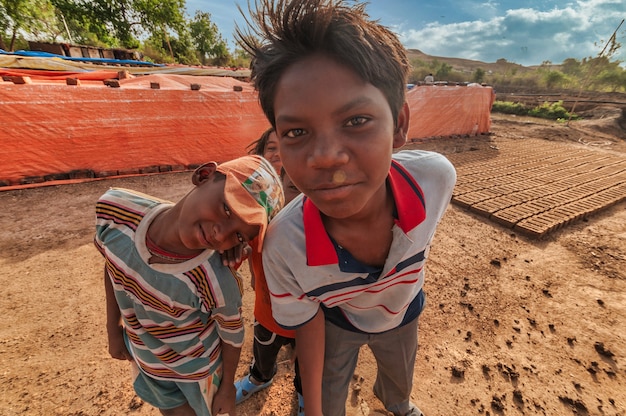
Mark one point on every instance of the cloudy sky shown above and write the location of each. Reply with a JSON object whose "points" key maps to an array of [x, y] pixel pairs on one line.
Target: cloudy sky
{"points": [[527, 32]]}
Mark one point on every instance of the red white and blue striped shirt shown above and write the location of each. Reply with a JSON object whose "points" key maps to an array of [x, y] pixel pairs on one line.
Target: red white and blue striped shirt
{"points": [[307, 270]]}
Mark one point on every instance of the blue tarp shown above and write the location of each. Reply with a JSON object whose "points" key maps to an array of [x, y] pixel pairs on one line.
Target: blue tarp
{"points": [[40, 54]]}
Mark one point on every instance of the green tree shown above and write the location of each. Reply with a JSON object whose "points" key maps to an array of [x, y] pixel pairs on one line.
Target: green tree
{"points": [[33, 17], [86, 27], [612, 77], [571, 66], [444, 71], [123, 22], [479, 75], [207, 39], [240, 59], [13, 18], [553, 79], [183, 50]]}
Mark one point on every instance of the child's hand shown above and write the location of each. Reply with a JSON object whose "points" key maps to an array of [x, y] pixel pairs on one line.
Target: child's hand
{"points": [[234, 256], [224, 400], [117, 346]]}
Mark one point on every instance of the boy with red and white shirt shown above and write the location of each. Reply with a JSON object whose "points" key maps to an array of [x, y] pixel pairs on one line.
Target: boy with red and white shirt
{"points": [[345, 261]]}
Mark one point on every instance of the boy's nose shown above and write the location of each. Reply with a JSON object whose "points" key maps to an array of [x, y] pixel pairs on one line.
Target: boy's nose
{"points": [[224, 230], [328, 151]]}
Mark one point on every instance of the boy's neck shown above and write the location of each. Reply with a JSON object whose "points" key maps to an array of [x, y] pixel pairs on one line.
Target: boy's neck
{"points": [[157, 238], [368, 239]]}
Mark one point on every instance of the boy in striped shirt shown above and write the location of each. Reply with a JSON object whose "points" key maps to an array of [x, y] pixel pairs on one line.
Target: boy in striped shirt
{"points": [[173, 306], [345, 261]]}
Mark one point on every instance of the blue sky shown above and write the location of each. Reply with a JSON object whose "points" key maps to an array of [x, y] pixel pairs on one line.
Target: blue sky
{"points": [[527, 32]]}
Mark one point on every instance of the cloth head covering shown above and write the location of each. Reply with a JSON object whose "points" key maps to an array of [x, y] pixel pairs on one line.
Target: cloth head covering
{"points": [[253, 191]]}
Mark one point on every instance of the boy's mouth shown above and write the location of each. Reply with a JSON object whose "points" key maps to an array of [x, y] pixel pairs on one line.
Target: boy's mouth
{"points": [[333, 191], [206, 239]]}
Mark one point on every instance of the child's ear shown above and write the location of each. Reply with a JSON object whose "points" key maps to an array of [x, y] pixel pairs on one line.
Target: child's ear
{"points": [[202, 173], [402, 128]]}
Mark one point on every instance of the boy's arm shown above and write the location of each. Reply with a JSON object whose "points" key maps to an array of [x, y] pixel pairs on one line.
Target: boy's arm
{"points": [[224, 400], [310, 340], [117, 347]]}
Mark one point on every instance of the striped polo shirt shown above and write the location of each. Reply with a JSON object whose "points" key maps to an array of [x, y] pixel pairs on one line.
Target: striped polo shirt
{"points": [[307, 270], [175, 315]]}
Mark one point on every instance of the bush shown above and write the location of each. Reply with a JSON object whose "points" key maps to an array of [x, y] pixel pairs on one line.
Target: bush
{"points": [[554, 111], [508, 107]]}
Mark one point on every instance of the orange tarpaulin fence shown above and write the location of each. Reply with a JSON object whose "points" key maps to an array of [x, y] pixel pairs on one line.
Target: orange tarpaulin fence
{"points": [[50, 131], [449, 110]]}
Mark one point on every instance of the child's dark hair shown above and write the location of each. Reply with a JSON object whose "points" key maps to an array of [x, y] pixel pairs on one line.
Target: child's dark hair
{"points": [[257, 147], [291, 30]]}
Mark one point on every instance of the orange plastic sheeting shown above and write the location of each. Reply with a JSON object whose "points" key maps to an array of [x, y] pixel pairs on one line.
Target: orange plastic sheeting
{"points": [[50, 128], [40, 74], [449, 110], [50, 131]]}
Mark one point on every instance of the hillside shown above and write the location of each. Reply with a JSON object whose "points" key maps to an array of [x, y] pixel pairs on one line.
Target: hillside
{"points": [[467, 65]]}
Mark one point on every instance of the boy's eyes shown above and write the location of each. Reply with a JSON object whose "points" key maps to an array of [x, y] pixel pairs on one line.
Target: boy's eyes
{"points": [[352, 122], [295, 133], [238, 235], [357, 121]]}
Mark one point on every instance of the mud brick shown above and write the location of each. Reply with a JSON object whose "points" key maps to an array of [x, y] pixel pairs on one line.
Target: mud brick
{"points": [[193, 166], [22, 80], [460, 202], [237, 88], [195, 87], [481, 210], [56, 177], [155, 86], [75, 52], [503, 221], [32, 179], [150, 169], [178, 168], [533, 226], [464, 200], [124, 74], [107, 54], [106, 173], [82, 174], [113, 83], [486, 208], [510, 216], [165, 168], [536, 233], [7, 78], [72, 81], [129, 171]]}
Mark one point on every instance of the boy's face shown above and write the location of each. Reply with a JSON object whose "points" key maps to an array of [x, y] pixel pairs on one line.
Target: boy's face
{"points": [[336, 135], [206, 220], [271, 152], [289, 189]]}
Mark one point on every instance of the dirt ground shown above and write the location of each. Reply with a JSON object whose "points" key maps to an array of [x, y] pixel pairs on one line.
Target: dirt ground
{"points": [[513, 326]]}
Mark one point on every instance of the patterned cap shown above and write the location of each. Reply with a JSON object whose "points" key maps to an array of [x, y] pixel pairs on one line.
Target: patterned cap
{"points": [[253, 190]]}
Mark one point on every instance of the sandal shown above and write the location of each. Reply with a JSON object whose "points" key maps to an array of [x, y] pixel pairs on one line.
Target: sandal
{"points": [[246, 388], [415, 411], [300, 405]]}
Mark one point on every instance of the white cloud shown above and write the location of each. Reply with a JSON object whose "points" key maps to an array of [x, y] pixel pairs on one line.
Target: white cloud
{"points": [[525, 36]]}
